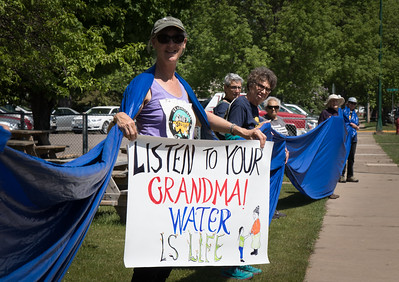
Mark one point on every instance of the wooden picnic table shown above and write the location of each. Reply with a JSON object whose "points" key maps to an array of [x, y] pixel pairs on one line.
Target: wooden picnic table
{"points": [[42, 149], [31, 134], [26, 146], [116, 192]]}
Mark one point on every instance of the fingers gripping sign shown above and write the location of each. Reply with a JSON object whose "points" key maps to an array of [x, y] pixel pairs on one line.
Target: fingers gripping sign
{"points": [[257, 134]]}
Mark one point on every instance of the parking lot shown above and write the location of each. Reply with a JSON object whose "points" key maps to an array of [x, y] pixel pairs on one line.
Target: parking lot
{"points": [[75, 142]]}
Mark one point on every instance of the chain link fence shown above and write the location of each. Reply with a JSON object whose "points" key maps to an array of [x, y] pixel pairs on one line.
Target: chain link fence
{"points": [[79, 135], [76, 132]]}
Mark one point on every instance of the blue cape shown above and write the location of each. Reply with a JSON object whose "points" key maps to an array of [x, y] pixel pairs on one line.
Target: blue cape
{"points": [[46, 208]]}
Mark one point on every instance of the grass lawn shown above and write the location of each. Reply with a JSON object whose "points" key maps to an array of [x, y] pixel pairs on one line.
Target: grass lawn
{"points": [[373, 125], [389, 142], [291, 241]]}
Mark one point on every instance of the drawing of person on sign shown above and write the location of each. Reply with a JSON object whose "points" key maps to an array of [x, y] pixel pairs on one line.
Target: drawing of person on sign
{"points": [[255, 231], [241, 241]]}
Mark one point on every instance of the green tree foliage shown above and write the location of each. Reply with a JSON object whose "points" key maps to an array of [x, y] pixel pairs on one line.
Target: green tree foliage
{"points": [[47, 52], [302, 47], [89, 50], [220, 41], [357, 53], [309, 44], [390, 52]]}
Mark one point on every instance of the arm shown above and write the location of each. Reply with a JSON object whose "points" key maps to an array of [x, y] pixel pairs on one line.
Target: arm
{"points": [[221, 125], [5, 127], [355, 121], [355, 126]]}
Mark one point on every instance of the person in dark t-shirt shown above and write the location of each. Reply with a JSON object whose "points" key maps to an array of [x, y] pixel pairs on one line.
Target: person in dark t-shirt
{"points": [[244, 110], [232, 89]]}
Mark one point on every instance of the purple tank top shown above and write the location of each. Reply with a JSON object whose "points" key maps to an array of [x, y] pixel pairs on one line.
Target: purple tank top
{"points": [[151, 120]]}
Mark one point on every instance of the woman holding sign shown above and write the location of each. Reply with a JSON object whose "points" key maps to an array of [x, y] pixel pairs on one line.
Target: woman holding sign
{"points": [[166, 90], [164, 105]]}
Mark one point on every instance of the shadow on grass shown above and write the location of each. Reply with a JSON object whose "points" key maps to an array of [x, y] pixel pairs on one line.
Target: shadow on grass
{"points": [[208, 274], [294, 200], [108, 215]]}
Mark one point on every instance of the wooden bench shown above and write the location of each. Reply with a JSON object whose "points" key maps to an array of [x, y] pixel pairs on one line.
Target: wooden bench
{"points": [[49, 151], [111, 195], [116, 193], [121, 165], [121, 207], [24, 140], [26, 146]]}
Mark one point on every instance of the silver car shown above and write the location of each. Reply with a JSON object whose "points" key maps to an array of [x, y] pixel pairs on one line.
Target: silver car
{"points": [[98, 119], [61, 119]]}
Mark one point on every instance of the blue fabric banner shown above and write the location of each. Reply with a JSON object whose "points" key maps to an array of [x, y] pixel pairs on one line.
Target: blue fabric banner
{"points": [[317, 158], [46, 209]]}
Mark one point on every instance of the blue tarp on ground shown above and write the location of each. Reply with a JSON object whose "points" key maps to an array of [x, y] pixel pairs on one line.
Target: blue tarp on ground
{"points": [[46, 209]]}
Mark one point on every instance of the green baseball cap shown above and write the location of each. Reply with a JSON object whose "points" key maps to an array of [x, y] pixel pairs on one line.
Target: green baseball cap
{"points": [[166, 22]]}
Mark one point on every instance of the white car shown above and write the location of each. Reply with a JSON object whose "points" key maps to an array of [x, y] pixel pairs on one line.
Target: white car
{"points": [[98, 119], [61, 119]]}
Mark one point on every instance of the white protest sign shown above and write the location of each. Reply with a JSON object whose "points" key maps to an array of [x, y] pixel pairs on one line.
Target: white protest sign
{"points": [[197, 202]]}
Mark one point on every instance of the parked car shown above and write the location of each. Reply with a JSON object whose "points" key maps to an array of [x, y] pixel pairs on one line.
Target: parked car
{"points": [[212, 102], [286, 114], [13, 120], [61, 119], [392, 115], [290, 117], [311, 120], [361, 111], [23, 109], [26, 111], [98, 119]]}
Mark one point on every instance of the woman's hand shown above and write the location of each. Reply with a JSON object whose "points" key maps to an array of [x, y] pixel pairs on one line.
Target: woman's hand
{"points": [[221, 125], [251, 134], [126, 125]]}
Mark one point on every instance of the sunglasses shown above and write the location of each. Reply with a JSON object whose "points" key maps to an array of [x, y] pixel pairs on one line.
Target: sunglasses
{"points": [[353, 103], [273, 107], [165, 39]]}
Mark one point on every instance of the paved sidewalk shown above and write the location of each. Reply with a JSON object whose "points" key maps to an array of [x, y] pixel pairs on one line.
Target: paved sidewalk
{"points": [[359, 240]]}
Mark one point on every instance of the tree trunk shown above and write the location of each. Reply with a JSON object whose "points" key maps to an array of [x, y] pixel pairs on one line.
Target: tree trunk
{"points": [[41, 109]]}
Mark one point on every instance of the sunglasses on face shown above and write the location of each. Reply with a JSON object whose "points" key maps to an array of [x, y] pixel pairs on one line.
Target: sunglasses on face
{"points": [[165, 39], [353, 103], [273, 107]]}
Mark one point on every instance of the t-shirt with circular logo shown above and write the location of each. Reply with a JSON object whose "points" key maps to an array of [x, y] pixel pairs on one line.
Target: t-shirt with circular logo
{"points": [[166, 115]]}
